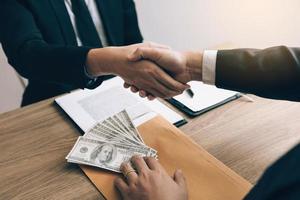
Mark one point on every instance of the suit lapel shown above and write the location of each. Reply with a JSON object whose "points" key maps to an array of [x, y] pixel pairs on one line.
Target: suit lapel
{"points": [[111, 14], [64, 21]]}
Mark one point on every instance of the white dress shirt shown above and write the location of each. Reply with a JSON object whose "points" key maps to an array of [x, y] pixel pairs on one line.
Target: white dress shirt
{"points": [[209, 67], [95, 14], [96, 17]]}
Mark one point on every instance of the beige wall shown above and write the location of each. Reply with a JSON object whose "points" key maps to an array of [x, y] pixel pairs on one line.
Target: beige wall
{"points": [[10, 86], [198, 24], [186, 24]]}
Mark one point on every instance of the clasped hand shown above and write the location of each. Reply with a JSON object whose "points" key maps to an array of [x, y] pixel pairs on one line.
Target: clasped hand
{"points": [[172, 66], [165, 72], [182, 67], [151, 69]]}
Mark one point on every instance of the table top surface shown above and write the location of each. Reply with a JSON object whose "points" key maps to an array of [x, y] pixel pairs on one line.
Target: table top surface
{"points": [[247, 137]]}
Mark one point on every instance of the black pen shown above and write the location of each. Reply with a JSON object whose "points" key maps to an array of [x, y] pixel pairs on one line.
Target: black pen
{"points": [[190, 92]]}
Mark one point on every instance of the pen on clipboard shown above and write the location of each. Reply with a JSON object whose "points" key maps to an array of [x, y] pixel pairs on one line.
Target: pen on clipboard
{"points": [[190, 92]]}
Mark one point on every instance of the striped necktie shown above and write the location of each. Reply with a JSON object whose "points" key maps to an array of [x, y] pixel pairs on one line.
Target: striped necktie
{"points": [[85, 25]]}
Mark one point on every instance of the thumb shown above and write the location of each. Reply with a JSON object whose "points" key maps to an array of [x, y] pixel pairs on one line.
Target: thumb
{"points": [[179, 178], [140, 53]]}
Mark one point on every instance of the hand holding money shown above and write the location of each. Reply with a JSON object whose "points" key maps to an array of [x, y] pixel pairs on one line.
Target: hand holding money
{"points": [[110, 143]]}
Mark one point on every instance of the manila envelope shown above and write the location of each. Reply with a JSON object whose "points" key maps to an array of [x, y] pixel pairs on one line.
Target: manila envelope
{"points": [[207, 178]]}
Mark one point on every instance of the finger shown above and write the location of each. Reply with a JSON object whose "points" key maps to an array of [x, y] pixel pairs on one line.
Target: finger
{"points": [[151, 97], [169, 82], [139, 164], [154, 88], [126, 85], [145, 53], [134, 89], [129, 173], [121, 186], [158, 90], [142, 93], [179, 178], [152, 163], [166, 92], [170, 89]]}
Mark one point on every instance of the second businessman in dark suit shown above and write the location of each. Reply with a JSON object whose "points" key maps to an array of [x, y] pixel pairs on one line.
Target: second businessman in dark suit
{"points": [[271, 73]]}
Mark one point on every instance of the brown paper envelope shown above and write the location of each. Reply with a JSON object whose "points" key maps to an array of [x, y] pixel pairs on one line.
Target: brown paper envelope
{"points": [[207, 177]]}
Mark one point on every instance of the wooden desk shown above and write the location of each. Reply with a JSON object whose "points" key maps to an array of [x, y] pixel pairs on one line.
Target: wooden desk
{"points": [[34, 141]]}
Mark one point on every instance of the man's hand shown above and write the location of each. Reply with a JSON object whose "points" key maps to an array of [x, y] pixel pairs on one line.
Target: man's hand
{"points": [[143, 74], [150, 182], [173, 62], [184, 67]]}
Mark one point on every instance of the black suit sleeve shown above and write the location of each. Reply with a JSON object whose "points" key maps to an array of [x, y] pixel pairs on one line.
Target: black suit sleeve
{"points": [[32, 56], [272, 73], [281, 180], [132, 31]]}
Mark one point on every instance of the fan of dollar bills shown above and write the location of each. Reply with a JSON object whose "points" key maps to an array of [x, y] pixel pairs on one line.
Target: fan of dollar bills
{"points": [[110, 143]]}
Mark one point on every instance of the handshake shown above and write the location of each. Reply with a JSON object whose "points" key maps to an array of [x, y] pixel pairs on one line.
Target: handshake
{"points": [[151, 69]]}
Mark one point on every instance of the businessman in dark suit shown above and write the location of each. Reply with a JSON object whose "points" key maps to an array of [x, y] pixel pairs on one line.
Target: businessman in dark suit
{"points": [[271, 73], [62, 45]]}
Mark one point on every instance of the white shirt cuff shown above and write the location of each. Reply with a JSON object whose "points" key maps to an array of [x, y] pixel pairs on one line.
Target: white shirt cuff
{"points": [[209, 67]]}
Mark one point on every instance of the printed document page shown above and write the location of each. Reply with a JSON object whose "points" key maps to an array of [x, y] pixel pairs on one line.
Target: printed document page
{"points": [[87, 107]]}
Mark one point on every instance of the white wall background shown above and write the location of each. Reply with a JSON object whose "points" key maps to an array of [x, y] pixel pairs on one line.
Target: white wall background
{"points": [[198, 24], [186, 24], [11, 88]]}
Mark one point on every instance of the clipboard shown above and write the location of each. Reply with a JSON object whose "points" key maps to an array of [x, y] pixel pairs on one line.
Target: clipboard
{"points": [[192, 113], [206, 98]]}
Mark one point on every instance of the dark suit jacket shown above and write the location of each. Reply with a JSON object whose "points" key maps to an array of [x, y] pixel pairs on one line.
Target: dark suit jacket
{"points": [[272, 73], [39, 41], [281, 181]]}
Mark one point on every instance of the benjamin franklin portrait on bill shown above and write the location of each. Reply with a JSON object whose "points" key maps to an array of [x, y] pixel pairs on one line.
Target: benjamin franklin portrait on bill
{"points": [[104, 154]]}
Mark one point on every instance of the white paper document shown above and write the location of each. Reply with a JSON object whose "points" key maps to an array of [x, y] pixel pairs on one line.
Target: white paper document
{"points": [[87, 107]]}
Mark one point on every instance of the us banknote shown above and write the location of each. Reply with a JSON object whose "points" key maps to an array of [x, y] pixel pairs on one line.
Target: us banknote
{"points": [[106, 155], [109, 143]]}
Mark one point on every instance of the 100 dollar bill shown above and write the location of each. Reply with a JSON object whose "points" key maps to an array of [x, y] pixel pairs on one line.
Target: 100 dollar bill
{"points": [[106, 155]]}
